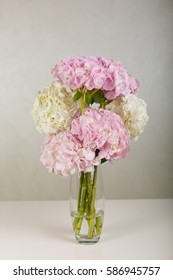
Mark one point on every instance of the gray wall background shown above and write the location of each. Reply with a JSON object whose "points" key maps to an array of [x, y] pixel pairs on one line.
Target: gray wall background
{"points": [[34, 35]]}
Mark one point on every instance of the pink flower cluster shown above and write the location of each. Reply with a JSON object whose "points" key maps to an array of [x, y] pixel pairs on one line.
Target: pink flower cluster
{"points": [[63, 154], [96, 135], [96, 73]]}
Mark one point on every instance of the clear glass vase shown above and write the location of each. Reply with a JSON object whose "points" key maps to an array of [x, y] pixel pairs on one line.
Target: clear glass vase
{"points": [[87, 205]]}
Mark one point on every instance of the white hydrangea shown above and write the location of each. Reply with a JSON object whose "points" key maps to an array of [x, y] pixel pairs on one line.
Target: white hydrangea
{"points": [[54, 108], [133, 112]]}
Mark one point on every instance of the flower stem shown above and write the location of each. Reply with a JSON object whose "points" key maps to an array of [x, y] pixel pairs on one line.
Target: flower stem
{"points": [[89, 190], [77, 223], [99, 224], [102, 105], [92, 212], [80, 189], [77, 219], [86, 205], [82, 100], [83, 196]]}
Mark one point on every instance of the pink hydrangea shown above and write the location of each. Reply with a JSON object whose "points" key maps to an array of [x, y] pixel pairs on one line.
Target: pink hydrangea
{"points": [[103, 131], [96, 73], [64, 154]]}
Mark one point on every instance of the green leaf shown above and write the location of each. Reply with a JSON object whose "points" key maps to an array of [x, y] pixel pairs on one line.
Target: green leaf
{"points": [[77, 96], [88, 98], [103, 160], [98, 96]]}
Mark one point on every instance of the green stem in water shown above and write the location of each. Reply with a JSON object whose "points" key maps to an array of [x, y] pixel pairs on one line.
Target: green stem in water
{"points": [[86, 205], [77, 223], [91, 231], [94, 189], [80, 189], [77, 219], [89, 190], [83, 196], [99, 224]]}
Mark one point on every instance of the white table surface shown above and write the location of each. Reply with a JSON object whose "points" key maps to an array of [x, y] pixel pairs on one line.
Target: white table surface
{"points": [[133, 229]]}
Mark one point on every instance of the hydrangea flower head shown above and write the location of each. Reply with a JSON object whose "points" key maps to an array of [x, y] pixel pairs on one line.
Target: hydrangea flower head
{"points": [[132, 111], [54, 108], [96, 73], [64, 154], [103, 131]]}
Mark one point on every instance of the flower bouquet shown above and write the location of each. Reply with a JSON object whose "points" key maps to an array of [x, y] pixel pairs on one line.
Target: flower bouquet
{"points": [[90, 112]]}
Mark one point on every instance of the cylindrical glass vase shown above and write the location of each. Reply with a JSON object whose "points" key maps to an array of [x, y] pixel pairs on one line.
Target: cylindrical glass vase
{"points": [[87, 205]]}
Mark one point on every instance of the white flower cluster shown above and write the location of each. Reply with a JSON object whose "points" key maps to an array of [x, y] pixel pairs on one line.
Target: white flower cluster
{"points": [[54, 108], [133, 112]]}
